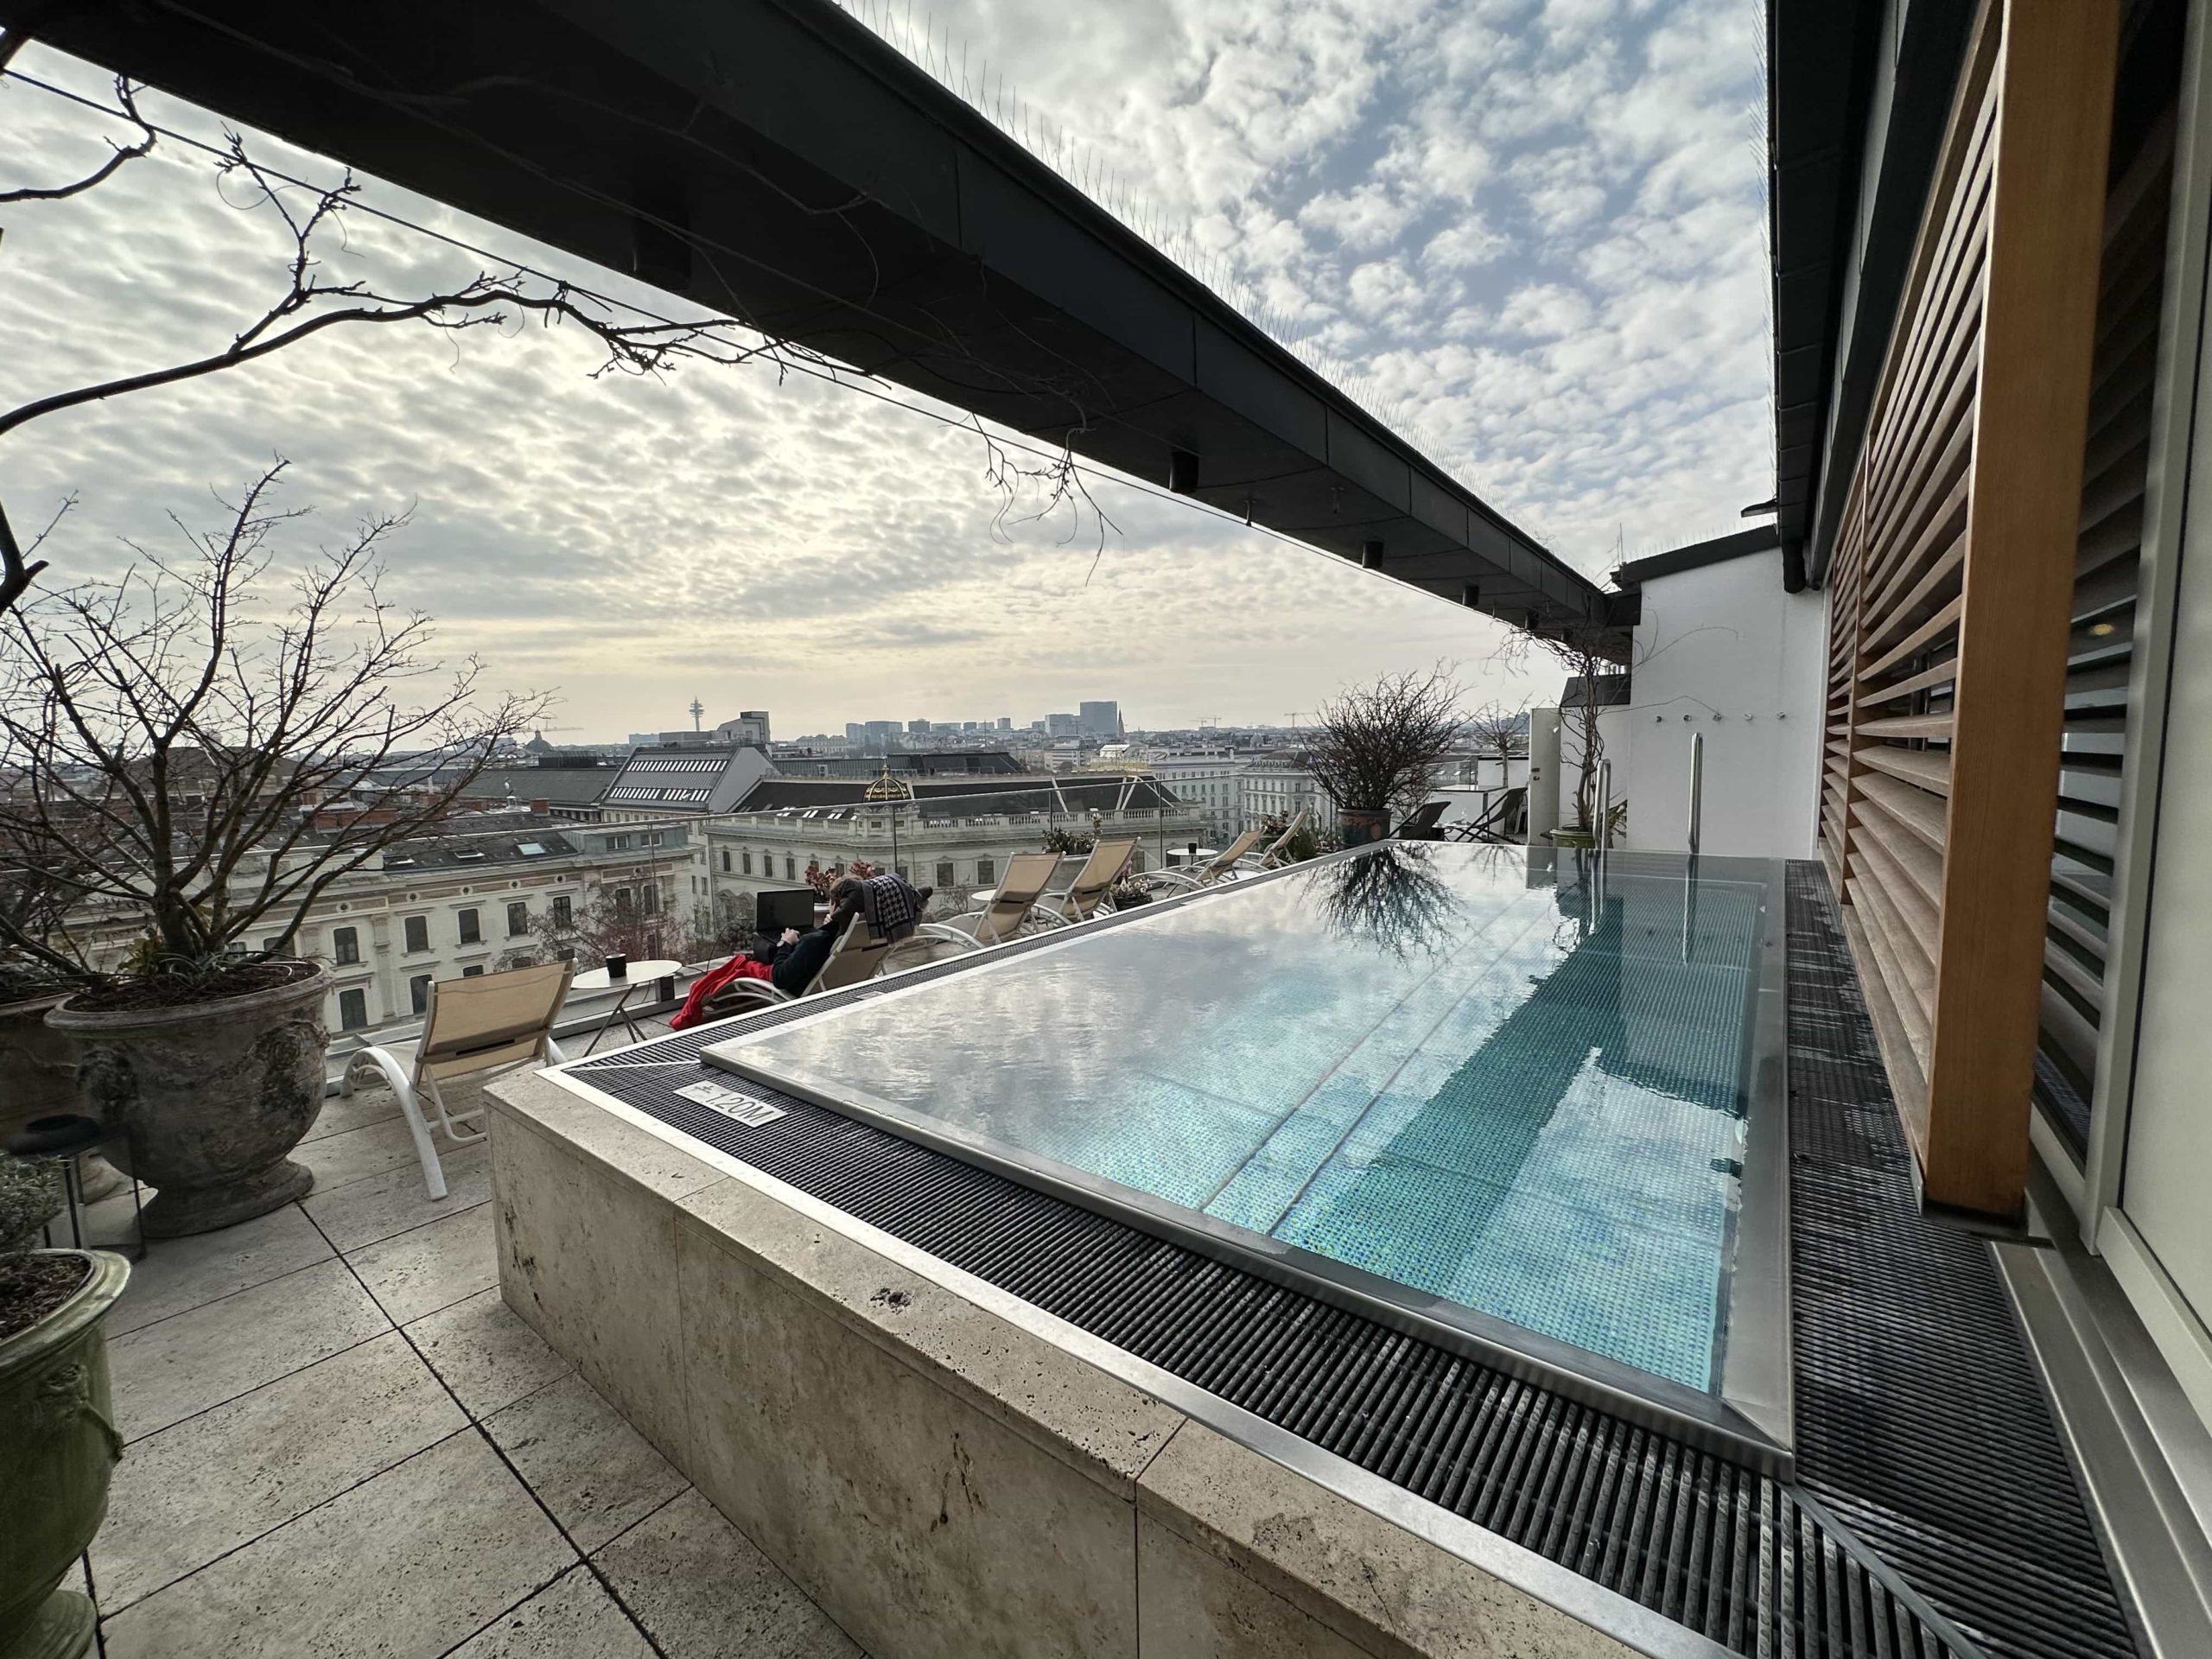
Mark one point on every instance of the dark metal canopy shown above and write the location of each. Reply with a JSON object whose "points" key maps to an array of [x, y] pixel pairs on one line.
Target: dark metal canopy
{"points": [[1858, 92], [1630, 577], [773, 160]]}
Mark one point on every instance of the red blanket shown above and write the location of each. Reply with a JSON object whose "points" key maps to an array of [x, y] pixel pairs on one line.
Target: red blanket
{"points": [[704, 989]]}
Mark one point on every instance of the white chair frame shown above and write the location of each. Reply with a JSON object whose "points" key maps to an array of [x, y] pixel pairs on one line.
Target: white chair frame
{"points": [[403, 1070]]}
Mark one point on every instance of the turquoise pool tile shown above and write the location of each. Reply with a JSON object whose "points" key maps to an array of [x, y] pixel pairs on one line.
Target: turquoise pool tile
{"points": [[1259, 1192], [1649, 1299]]}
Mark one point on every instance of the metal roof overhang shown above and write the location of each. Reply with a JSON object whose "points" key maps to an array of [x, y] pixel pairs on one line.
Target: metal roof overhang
{"points": [[1857, 92], [773, 159]]}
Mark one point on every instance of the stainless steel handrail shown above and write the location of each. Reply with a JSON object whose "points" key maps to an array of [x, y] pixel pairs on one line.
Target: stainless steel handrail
{"points": [[1697, 784]]}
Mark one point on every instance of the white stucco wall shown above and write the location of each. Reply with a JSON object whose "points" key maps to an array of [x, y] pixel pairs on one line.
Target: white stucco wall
{"points": [[1725, 651]]}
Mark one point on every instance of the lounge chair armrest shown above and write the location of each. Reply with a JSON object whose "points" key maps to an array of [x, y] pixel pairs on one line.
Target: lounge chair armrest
{"points": [[1171, 879], [950, 934], [383, 1060], [743, 991]]}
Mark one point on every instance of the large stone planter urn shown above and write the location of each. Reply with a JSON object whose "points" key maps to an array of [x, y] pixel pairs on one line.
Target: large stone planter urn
{"points": [[1359, 825], [58, 1445], [211, 1098]]}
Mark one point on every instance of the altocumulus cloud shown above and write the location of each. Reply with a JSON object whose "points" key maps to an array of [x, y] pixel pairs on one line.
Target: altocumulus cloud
{"points": [[1533, 226]]}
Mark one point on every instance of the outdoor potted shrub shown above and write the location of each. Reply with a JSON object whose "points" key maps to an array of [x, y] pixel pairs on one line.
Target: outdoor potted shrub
{"points": [[58, 1442], [1376, 748], [1128, 893], [202, 764]]}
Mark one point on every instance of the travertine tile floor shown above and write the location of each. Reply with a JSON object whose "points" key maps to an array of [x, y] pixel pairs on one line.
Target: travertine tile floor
{"points": [[340, 1442]]}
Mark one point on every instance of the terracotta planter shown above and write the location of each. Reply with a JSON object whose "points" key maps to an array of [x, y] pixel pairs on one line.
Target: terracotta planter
{"points": [[58, 1445], [210, 1097], [1360, 826]]}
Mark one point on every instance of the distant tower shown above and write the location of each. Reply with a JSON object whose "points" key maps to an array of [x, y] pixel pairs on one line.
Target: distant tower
{"points": [[698, 712]]}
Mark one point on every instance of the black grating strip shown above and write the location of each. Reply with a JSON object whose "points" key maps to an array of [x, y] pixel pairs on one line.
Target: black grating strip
{"points": [[1921, 1422], [1707, 1542]]}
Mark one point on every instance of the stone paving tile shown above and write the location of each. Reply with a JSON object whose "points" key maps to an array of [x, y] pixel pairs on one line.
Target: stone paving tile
{"points": [[595, 1472], [165, 1372], [342, 1112], [203, 1487], [111, 1225], [351, 1154], [573, 1617], [406, 1566], [417, 1273], [486, 1353], [363, 1212], [703, 1592], [180, 1274]]}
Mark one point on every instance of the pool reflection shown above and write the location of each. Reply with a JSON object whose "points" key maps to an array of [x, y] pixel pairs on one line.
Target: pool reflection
{"points": [[1514, 1080]]}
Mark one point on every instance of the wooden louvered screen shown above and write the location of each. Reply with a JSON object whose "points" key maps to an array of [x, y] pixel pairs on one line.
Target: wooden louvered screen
{"points": [[2099, 650], [1950, 592]]}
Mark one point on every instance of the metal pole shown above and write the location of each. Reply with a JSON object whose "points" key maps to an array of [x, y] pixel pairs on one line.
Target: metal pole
{"points": [[1697, 784], [1604, 825]]}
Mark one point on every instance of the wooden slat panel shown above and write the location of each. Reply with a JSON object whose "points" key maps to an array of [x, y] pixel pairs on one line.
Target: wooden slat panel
{"points": [[1942, 674], [1915, 642], [1908, 1081], [1909, 968], [1918, 862], [1943, 539], [1929, 768], [1914, 907], [1913, 808], [1939, 581], [1953, 261], [1935, 726]]}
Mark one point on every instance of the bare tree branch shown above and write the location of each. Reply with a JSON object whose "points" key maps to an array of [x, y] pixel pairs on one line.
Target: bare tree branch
{"points": [[190, 754], [311, 302], [127, 96], [1375, 747]]}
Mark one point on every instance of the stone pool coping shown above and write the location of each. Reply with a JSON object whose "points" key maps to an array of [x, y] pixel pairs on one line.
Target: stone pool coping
{"points": [[947, 1470]]}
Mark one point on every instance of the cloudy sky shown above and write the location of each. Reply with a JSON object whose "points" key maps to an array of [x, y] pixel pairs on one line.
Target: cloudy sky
{"points": [[1531, 227]]}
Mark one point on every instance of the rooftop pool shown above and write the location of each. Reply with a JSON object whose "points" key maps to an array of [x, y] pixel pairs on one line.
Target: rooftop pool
{"points": [[1526, 1103]]}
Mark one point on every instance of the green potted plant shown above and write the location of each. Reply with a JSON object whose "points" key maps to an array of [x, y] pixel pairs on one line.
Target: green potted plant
{"points": [[1376, 749], [59, 1443], [205, 755], [1128, 891]]}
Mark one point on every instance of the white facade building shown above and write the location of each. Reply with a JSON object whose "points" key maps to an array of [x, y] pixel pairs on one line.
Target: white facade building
{"points": [[1211, 783], [460, 905], [1277, 787], [952, 840]]}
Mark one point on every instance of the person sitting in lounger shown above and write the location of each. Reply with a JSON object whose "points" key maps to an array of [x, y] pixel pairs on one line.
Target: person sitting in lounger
{"points": [[793, 961]]}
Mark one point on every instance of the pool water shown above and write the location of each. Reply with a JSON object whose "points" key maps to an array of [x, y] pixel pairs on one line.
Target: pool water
{"points": [[1515, 1085]]}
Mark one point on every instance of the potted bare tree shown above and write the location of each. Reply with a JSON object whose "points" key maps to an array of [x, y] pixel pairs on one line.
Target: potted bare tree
{"points": [[59, 1445], [1376, 748], [196, 753]]}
